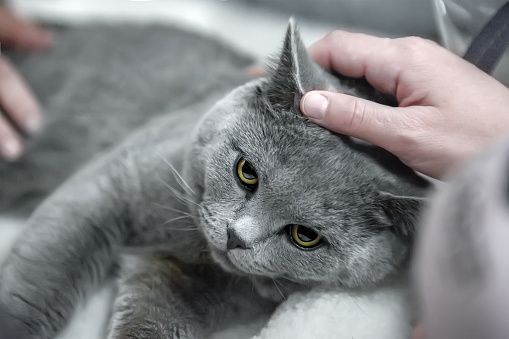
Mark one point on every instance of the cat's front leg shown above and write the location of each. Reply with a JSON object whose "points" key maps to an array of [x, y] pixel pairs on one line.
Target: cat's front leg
{"points": [[68, 246], [162, 298], [150, 304]]}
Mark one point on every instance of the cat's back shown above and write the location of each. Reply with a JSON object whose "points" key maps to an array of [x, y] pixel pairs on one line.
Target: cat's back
{"points": [[98, 83], [135, 60]]}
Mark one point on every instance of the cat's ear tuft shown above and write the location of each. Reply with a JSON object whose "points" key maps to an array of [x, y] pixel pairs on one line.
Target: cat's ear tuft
{"points": [[295, 73], [401, 213]]}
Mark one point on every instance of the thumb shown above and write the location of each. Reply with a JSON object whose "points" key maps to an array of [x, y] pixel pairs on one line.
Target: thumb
{"points": [[360, 118]]}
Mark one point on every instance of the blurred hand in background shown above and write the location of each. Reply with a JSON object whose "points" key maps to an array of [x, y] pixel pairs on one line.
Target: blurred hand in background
{"points": [[17, 103]]}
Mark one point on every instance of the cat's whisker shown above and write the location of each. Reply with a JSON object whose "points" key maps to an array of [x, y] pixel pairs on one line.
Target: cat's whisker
{"points": [[404, 197], [164, 227], [204, 211], [175, 192], [178, 177], [279, 282], [283, 285], [174, 210], [172, 220], [181, 181], [178, 195], [290, 280], [185, 229], [177, 218], [360, 308], [275, 284]]}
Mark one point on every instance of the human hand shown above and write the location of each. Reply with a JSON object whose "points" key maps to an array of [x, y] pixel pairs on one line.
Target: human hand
{"points": [[418, 332], [21, 34], [448, 109], [17, 103]]}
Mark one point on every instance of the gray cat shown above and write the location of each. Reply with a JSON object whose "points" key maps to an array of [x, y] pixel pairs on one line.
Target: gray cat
{"points": [[211, 209]]}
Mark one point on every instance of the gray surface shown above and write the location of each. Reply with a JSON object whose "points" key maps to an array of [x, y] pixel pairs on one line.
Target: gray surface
{"points": [[97, 84], [396, 17]]}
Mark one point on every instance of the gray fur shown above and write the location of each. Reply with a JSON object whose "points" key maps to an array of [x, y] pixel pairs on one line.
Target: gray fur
{"points": [[170, 189], [99, 83]]}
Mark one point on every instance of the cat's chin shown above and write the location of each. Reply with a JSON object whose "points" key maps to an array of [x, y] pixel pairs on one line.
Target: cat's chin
{"points": [[222, 259]]}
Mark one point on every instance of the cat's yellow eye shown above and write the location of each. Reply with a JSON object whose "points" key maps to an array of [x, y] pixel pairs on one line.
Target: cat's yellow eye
{"points": [[247, 173], [305, 237]]}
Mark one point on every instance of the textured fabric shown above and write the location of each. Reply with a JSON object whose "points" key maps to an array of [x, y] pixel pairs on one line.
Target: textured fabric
{"points": [[489, 45], [395, 17]]}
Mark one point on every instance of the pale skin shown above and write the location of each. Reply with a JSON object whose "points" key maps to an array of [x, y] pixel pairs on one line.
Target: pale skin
{"points": [[448, 109], [16, 100]]}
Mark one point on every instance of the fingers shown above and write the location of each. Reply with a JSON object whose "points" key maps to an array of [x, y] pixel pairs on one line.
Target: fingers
{"points": [[18, 103], [256, 70], [418, 332], [21, 34], [347, 52], [17, 100], [380, 60], [10, 143], [360, 118]]}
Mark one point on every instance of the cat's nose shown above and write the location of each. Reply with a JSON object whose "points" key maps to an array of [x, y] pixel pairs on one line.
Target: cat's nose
{"points": [[234, 241]]}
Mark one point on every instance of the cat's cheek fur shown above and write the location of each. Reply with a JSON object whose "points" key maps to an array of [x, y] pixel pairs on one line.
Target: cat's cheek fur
{"points": [[372, 261], [221, 258], [354, 265], [278, 257], [214, 235]]}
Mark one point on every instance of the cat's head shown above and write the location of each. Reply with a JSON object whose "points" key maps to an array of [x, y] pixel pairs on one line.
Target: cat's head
{"points": [[283, 197]]}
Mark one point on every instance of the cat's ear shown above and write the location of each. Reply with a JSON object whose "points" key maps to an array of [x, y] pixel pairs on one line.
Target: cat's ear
{"points": [[400, 213], [295, 73]]}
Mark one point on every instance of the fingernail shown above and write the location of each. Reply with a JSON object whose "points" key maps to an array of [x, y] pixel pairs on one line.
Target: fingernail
{"points": [[11, 149], [315, 105]]}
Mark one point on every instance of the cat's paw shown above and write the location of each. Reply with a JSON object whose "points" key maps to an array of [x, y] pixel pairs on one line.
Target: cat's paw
{"points": [[24, 314], [13, 326]]}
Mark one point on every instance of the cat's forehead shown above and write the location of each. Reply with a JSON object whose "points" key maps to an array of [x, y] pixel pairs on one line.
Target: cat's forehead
{"points": [[281, 143], [282, 134], [286, 148]]}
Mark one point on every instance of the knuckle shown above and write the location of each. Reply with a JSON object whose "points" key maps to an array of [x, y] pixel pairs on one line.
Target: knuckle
{"points": [[404, 139], [332, 37], [358, 114], [409, 135], [415, 48], [338, 36], [414, 42]]}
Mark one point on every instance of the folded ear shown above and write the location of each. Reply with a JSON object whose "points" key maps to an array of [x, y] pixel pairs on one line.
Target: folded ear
{"points": [[400, 213], [296, 73]]}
